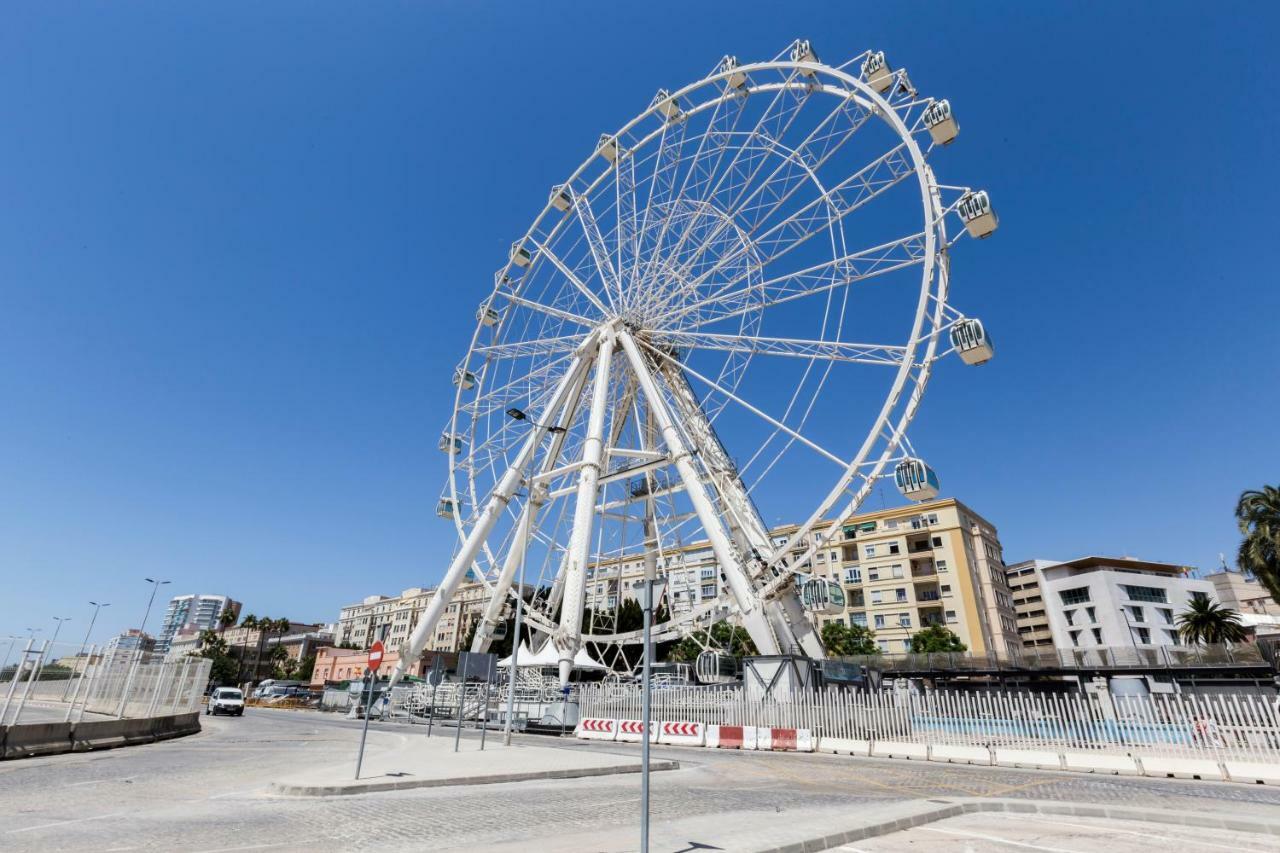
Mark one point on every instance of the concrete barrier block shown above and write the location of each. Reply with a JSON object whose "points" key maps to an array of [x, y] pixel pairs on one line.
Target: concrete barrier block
{"points": [[97, 734], [950, 754], [1182, 768], [731, 737], [632, 731], [1253, 772], [596, 728], [681, 733], [1090, 762], [175, 725], [29, 739], [844, 746], [1039, 759], [900, 749]]}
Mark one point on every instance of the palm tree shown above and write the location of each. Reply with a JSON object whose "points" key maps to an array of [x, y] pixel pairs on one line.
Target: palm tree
{"points": [[249, 621], [1207, 622], [1258, 515], [226, 619]]}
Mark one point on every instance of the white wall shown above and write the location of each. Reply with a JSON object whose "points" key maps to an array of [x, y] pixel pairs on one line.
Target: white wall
{"points": [[1107, 596]]}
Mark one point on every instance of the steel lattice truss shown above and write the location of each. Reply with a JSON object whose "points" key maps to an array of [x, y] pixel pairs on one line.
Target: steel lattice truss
{"points": [[745, 285]]}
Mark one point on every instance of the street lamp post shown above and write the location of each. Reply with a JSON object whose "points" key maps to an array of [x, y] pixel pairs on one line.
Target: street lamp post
{"points": [[519, 627], [85, 642], [59, 620], [142, 633], [651, 586]]}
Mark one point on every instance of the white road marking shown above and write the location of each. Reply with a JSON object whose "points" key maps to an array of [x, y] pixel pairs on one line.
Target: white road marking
{"points": [[247, 847], [100, 781], [1108, 830], [995, 839], [62, 823]]}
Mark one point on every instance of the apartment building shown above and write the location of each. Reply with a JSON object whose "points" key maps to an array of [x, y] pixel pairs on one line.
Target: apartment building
{"points": [[1112, 601], [392, 619], [200, 612], [1028, 601], [903, 569], [1243, 594]]}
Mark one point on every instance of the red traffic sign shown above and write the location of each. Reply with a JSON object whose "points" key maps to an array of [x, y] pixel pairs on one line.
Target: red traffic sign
{"points": [[375, 655]]}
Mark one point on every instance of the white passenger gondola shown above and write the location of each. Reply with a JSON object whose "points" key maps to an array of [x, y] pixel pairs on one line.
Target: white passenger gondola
{"points": [[561, 200], [822, 596], [607, 147], [520, 256], [446, 508], [802, 51], [941, 123], [464, 379], [502, 281], [972, 342], [500, 631], [736, 79], [978, 214], [877, 73], [916, 480], [668, 106], [450, 442], [488, 316], [712, 667]]}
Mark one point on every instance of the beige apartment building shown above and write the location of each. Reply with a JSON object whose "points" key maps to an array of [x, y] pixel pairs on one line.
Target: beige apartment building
{"points": [[903, 569], [392, 619]]}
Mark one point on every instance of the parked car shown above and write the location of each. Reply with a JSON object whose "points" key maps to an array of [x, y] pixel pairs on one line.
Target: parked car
{"points": [[226, 700]]}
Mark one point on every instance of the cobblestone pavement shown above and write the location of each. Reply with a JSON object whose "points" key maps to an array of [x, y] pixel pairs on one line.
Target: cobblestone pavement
{"points": [[208, 793]]}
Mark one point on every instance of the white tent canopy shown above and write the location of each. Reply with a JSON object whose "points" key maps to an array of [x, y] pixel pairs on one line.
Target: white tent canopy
{"points": [[548, 656]]}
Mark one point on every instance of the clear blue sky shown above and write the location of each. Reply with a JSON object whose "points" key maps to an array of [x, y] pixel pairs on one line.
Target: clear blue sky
{"points": [[241, 244]]}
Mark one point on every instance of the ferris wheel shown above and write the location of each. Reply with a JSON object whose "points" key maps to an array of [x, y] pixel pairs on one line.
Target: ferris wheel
{"points": [[728, 313]]}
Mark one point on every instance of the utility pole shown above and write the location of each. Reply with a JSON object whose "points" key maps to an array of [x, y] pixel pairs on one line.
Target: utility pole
{"points": [[80, 652], [142, 633]]}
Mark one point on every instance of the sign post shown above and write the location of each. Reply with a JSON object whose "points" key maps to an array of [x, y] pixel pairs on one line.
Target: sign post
{"points": [[375, 661]]}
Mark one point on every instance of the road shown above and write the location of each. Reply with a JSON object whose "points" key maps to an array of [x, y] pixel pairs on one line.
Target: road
{"points": [[209, 792]]}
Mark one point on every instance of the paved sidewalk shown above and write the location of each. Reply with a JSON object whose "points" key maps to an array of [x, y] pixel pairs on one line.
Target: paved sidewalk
{"points": [[393, 763]]}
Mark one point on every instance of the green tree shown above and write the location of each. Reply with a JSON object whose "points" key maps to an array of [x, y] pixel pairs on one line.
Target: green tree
{"points": [[936, 638], [306, 667], [1258, 516], [226, 618], [732, 639], [249, 621], [841, 640], [1206, 621], [225, 668]]}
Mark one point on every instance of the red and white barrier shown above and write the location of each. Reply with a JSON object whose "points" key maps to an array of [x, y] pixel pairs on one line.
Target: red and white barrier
{"points": [[784, 740], [596, 728], [681, 733], [632, 731], [731, 737]]}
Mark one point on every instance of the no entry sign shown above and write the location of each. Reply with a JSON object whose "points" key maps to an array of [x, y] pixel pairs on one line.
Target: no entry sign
{"points": [[375, 655]]}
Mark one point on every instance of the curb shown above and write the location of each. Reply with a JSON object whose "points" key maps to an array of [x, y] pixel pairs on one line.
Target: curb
{"points": [[960, 806], [495, 779]]}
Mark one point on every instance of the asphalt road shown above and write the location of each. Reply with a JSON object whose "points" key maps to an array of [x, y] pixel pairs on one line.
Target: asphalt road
{"points": [[209, 792]]}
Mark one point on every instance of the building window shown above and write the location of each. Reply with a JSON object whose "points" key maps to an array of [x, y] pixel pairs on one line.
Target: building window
{"points": [[896, 570], [893, 548], [853, 575], [869, 550], [1097, 636], [708, 591], [940, 565], [906, 645], [1078, 595], [1070, 616], [876, 596], [1145, 593], [904, 620], [1200, 597], [937, 541], [873, 574], [1075, 637], [951, 616], [1093, 615], [901, 593], [1166, 614], [879, 620], [858, 619], [946, 589], [1144, 637]]}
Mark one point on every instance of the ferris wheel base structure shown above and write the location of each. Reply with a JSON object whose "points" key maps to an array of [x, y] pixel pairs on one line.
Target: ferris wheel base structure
{"points": [[586, 433]]}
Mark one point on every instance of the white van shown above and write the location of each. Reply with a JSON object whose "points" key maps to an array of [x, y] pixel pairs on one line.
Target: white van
{"points": [[226, 700]]}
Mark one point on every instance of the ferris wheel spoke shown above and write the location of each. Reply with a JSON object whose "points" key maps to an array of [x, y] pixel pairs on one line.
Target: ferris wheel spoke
{"points": [[817, 279], [604, 268], [572, 278], [842, 351], [867, 184], [711, 383], [662, 182], [536, 346]]}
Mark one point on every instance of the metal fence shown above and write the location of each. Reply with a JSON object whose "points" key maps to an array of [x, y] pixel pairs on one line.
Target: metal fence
{"points": [[118, 683], [1226, 727], [1100, 657]]}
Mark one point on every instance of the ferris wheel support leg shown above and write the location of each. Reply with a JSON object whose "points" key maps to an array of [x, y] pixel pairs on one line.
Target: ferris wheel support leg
{"points": [[748, 605], [502, 494], [569, 638]]}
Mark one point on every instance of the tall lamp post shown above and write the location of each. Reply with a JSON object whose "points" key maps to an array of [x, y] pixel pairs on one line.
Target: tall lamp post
{"points": [[142, 633], [652, 588], [85, 642], [59, 620]]}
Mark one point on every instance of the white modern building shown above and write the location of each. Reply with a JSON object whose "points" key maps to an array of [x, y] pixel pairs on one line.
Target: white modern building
{"points": [[200, 612], [1117, 601]]}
